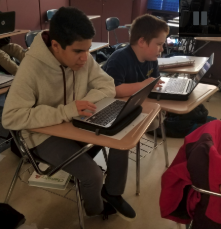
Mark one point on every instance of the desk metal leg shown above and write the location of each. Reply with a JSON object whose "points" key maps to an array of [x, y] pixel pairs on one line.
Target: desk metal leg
{"points": [[164, 139], [138, 169]]}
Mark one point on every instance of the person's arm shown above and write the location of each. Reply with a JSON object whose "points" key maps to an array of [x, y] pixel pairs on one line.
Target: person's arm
{"points": [[115, 67], [20, 110], [128, 89], [100, 84]]}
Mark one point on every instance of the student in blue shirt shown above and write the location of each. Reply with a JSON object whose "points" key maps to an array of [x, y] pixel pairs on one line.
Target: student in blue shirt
{"points": [[136, 65]]}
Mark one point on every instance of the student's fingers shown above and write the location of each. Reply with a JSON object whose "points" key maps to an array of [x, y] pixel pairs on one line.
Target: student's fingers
{"points": [[84, 113], [160, 81], [83, 105], [157, 86], [91, 107]]}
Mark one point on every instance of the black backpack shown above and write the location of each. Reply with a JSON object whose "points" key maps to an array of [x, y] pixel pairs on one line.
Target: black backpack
{"points": [[9, 217], [178, 126]]}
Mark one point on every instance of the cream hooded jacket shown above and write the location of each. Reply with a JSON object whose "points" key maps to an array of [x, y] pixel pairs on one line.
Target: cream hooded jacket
{"points": [[42, 92]]}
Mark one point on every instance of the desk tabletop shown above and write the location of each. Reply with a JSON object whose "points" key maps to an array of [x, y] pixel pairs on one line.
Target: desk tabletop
{"points": [[15, 32], [67, 130], [191, 69], [218, 39], [200, 94], [98, 45], [3, 90], [91, 17]]}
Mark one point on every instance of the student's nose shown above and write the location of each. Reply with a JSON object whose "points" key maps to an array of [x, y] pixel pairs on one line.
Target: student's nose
{"points": [[84, 56], [161, 49]]}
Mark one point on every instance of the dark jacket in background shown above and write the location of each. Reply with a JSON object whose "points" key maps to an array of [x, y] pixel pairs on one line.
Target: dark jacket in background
{"points": [[4, 41]]}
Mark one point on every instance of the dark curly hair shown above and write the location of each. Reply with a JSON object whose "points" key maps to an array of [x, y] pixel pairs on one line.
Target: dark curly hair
{"points": [[69, 25]]}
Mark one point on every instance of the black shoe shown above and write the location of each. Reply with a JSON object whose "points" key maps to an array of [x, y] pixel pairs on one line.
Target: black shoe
{"points": [[121, 206], [108, 210]]}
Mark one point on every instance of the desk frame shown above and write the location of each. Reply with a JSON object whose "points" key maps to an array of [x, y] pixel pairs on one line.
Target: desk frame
{"points": [[132, 139], [15, 32], [200, 94]]}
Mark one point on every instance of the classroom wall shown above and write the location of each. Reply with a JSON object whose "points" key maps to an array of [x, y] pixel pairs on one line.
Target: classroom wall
{"points": [[31, 15], [139, 8]]}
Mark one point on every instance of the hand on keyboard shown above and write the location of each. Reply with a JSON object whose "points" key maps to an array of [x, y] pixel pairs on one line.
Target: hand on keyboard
{"points": [[85, 105], [149, 80]]}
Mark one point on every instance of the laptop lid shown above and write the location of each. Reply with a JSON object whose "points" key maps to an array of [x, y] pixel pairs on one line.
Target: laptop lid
{"points": [[135, 100], [7, 22], [198, 77]]}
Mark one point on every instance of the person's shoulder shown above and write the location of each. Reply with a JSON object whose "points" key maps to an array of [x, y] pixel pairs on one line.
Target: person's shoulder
{"points": [[122, 56], [121, 53]]}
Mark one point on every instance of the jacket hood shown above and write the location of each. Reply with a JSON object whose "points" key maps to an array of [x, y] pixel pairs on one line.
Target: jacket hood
{"points": [[40, 50]]}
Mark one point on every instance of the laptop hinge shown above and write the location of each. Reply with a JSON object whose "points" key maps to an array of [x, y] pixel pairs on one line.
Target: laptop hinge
{"points": [[189, 87]]}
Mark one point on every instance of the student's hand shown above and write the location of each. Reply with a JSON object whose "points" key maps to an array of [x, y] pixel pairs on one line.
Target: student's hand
{"points": [[159, 83], [83, 105], [151, 79]]}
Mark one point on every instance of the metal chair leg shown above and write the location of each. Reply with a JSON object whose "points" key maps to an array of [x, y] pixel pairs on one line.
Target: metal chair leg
{"points": [[155, 137], [190, 225], [138, 169], [105, 154], [14, 181], [79, 204], [164, 140]]}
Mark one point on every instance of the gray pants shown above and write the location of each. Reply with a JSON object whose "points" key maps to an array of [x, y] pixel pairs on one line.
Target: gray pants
{"points": [[55, 150], [11, 50]]}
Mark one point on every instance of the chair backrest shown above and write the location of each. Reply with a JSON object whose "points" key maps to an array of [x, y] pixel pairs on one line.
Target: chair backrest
{"points": [[27, 154], [122, 45], [50, 13], [112, 23], [29, 37]]}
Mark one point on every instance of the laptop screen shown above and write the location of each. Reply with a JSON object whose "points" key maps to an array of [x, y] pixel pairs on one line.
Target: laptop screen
{"points": [[7, 22], [203, 70]]}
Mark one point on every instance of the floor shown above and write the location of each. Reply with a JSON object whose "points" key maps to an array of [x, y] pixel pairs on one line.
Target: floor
{"points": [[52, 211]]}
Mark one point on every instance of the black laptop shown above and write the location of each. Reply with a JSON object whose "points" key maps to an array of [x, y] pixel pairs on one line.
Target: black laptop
{"points": [[180, 88], [113, 115], [7, 22]]}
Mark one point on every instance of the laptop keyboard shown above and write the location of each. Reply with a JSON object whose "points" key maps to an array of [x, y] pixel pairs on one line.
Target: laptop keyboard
{"points": [[107, 114], [176, 85]]}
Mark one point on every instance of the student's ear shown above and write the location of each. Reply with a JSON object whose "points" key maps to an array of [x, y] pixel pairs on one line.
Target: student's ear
{"points": [[55, 46], [141, 42]]}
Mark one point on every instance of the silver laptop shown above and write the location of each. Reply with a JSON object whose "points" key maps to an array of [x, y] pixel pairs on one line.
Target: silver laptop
{"points": [[111, 111], [183, 86], [7, 22]]}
